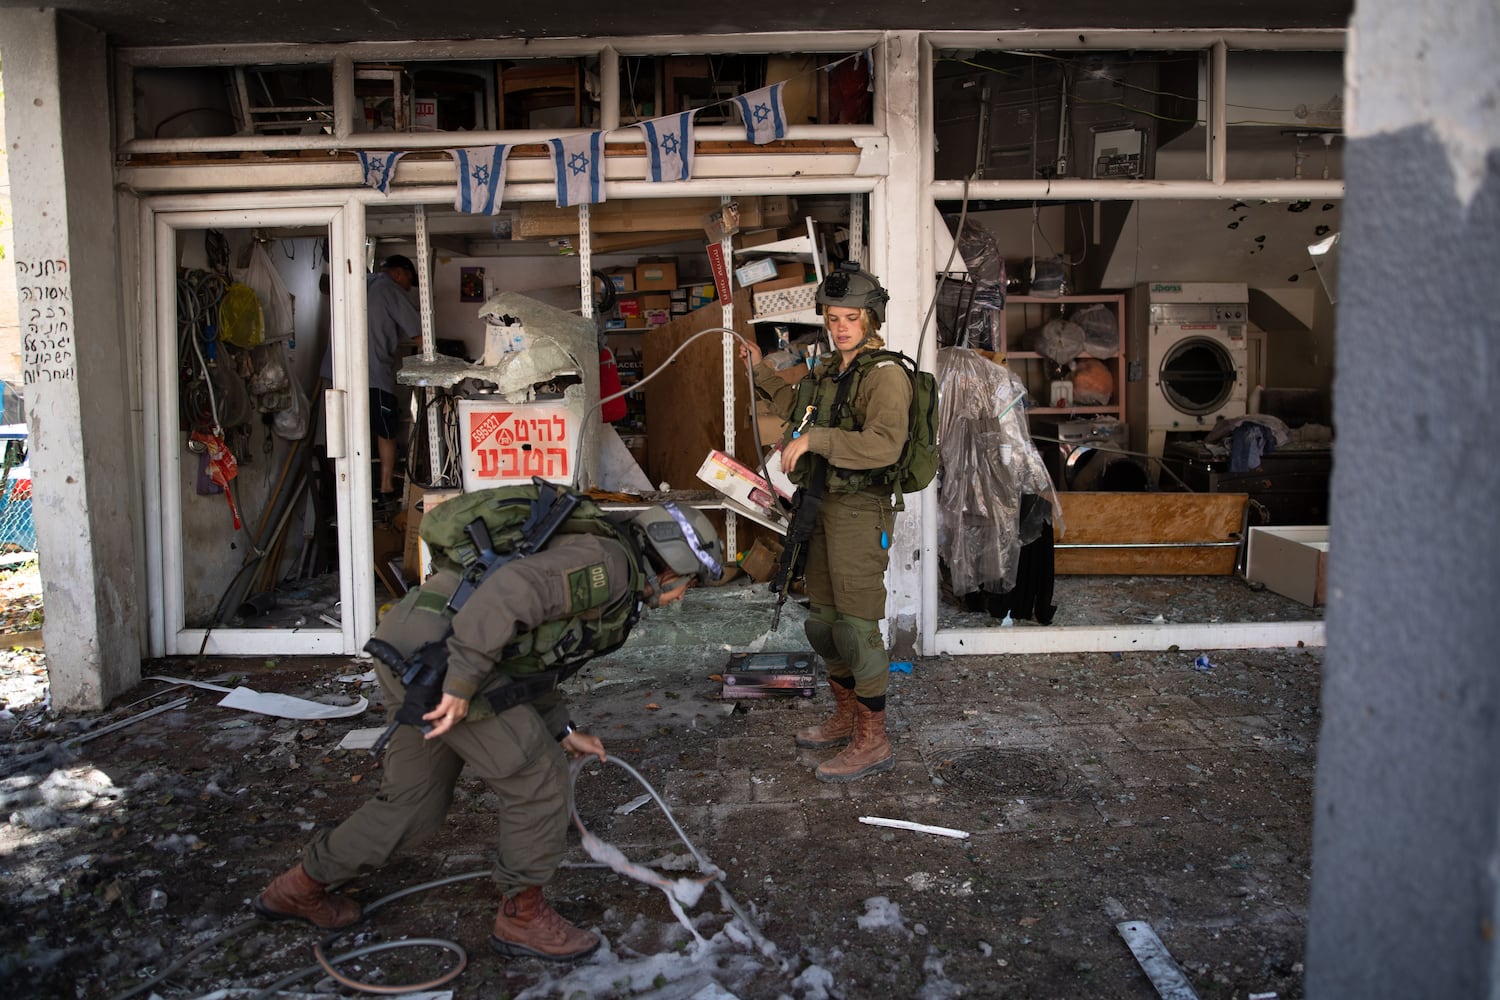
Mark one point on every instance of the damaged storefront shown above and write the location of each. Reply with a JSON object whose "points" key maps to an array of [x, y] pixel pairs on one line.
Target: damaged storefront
{"points": [[239, 167]]}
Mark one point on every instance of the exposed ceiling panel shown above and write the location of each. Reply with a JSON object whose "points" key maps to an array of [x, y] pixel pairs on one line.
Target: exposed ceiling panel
{"points": [[1263, 243], [172, 22]]}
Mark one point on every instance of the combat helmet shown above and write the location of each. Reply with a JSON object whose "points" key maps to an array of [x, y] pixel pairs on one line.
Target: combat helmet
{"points": [[851, 287], [683, 541]]}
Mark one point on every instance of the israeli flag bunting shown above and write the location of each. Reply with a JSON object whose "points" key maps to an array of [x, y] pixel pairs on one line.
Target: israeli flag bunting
{"points": [[765, 119], [669, 147], [379, 168], [579, 163], [481, 178]]}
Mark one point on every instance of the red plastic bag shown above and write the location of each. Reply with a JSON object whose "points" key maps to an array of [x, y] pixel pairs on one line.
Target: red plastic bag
{"points": [[221, 468], [609, 385]]}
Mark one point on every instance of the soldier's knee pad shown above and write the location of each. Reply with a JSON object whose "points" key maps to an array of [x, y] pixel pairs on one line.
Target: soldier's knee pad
{"points": [[820, 636], [849, 640]]}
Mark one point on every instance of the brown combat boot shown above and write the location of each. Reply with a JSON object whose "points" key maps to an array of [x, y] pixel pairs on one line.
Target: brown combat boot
{"points": [[527, 927], [868, 753], [838, 728], [296, 895]]}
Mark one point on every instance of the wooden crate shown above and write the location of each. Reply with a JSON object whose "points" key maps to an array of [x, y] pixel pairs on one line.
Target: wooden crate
{"points": [[1149, 534]]}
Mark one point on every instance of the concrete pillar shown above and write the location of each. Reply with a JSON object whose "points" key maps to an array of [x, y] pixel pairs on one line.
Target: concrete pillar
{"points": [[78, 377], [1406, 829], [900, 248]]}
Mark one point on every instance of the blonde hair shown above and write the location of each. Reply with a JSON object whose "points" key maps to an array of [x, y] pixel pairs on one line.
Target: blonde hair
{"points": [[870, 324]]}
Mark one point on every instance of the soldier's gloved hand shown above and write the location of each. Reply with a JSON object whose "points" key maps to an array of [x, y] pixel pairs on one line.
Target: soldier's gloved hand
{"points": [[420, 699], [449, 713]]}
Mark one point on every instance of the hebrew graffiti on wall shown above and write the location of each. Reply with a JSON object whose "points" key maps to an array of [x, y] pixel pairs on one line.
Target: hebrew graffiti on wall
{"points": [[45, 301]]}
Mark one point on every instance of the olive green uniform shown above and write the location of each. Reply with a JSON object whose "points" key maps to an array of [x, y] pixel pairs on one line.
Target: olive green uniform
{"points": [[515, 753], [848, 552]]}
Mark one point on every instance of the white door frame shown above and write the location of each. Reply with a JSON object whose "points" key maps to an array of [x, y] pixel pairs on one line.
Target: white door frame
{"points": [[345, 405]]}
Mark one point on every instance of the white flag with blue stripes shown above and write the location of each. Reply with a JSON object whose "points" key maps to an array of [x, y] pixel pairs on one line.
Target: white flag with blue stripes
{"points": [[765, 119], [669, 147], [579, 163], [481, 178], [379, 168]]}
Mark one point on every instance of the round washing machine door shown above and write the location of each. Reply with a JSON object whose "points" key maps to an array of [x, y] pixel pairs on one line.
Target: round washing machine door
{"points": [[1197, 375]]}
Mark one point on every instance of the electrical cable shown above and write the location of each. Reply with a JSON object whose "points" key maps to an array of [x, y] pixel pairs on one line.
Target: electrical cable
{"points": [[185, 959], [327, 965], [963, 215], [670, 358], [712, 873], [1122, 451]]}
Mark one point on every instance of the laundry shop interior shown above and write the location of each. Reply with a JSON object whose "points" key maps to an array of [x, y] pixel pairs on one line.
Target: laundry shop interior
{"points": [[1161, 348]]}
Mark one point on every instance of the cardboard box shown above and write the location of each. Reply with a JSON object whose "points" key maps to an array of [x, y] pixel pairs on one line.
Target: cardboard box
{"points": [[1290, 560], [623, 278], [760, 562], [775, 209], [757, 270], [657, 317], [631, 313], [786, 300], [755, 238], [411, 555], [700, 296], [656, 275], [781, 281], [736, 481]]}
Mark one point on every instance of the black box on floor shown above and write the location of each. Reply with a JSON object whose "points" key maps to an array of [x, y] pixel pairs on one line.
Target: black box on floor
{"points": [[762, 675]]}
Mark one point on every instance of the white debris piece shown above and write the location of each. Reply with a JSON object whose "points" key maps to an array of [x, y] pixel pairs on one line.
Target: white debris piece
{"points": [[633, 804], [360, 739], [901, 824]]}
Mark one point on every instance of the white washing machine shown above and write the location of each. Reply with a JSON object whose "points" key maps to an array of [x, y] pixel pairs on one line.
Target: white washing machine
{"points": [[1192, 352]]}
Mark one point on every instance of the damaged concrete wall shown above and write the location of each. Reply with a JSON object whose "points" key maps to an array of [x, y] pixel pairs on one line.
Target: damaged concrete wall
{"points": [[82, 382], [1404, 892]]}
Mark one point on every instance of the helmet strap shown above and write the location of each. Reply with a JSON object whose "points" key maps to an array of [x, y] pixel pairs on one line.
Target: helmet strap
{"points": [[700, 551]]}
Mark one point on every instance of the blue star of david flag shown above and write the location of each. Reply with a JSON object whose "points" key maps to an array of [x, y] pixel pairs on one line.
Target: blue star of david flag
{"points": [[579, 163], [765, 119], [481, 178], [669, 147], [379, 168]]}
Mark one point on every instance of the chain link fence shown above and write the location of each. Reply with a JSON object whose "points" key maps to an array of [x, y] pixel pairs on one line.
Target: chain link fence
{"points": [[17, 534]]}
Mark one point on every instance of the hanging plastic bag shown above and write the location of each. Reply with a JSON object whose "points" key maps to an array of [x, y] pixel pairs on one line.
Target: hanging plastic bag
{"points": [[613, 410], [275, 300], [291, 423], [222, 468], [241, 321]]}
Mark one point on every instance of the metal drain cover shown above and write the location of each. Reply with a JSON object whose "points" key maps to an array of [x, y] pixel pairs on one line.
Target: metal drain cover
{"points": [[991, 773]]}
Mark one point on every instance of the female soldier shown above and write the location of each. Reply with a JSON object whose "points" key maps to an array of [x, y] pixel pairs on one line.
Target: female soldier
{"points": [[846, 427]]}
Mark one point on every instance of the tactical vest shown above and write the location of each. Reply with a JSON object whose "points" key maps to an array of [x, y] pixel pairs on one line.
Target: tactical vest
{"points": [[832, 392], [564, 645]]}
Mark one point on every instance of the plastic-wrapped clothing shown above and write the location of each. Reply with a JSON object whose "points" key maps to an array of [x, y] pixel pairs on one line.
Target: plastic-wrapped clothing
{"points": [[1031, 597], [989, 464], [971, 312]]}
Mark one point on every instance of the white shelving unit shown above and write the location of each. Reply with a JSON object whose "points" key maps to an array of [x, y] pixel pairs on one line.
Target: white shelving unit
{"points": [[799, 248]]}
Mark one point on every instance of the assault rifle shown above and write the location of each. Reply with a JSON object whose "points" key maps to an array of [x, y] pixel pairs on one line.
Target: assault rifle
{"points": [[798, 534], [422, 673]]}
